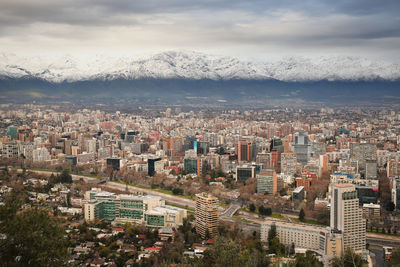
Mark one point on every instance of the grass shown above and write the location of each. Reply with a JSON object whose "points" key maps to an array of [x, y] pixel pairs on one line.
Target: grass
{"points": [[55, 171], [273, 215], [309, 221], [277, 216], [163, 191], [238, 218], [180, 206]]}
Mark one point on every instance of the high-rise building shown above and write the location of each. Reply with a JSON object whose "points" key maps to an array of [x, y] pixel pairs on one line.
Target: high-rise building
{"points": [[245, 172], [206, 214], [168, 113], [302, 148], [151, 166], [288, 163], [10, 150], [41, 154], [393, 168], [267, 182], [362, 152], [244, 150], [370, 169], [12, 132], [347, 216]]}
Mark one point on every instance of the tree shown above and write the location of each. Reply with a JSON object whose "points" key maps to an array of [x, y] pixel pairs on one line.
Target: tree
{"points": [[252, 207], [292, 249], [177, 191], [395, 260], [272, 233], [306, 260], [207, 235], [261, 210], [226, 252], [65, 177], [348, 259], [390, 206], [53, 179], [32, 238], [302, 215], [276, 247]]}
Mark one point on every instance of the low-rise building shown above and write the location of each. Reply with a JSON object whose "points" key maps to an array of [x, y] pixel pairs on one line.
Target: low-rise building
{"points": [[371, 211], [305, 236], [144, 209]]}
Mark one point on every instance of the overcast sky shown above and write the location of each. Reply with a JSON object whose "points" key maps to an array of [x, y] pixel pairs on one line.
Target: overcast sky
{"points": [[253, 29]]}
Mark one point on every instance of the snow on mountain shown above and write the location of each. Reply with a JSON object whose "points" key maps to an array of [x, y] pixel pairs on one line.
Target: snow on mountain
{"points": [[193, 65]]}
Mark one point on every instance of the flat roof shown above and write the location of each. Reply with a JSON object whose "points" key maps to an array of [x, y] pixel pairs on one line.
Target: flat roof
{"points": [[298, 189], [304, 226]]}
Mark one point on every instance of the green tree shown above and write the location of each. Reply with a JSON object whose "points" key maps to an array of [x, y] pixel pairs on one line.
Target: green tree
{"points": [[348, 259], [53, 179], [302, 215], [207, 235], [276, 247], [223, 253], [306, 260], [272, 233], [32, 238], [226, 252], [390, 206], [252, 207], [395, 260], [65, 177], [261, 210]]}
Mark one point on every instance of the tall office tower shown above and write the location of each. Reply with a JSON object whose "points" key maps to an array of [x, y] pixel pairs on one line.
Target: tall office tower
{"points": [[346, 216], [206, 214], [12, 132], [288, 163], [168, 113], [267, 181], [302, 148], [244, 150], [362, 152]]}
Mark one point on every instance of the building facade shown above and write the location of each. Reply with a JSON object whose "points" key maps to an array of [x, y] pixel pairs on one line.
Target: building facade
{"points": [[206, 215], [267, 182], [144, 209], [347, 217]]}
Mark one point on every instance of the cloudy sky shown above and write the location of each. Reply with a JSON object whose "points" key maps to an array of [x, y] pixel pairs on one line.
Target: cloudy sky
{"points": [[256, 29]]}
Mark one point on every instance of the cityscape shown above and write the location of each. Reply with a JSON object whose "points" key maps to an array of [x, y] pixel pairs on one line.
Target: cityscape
{"points": [[323, 182], [199, 133]]}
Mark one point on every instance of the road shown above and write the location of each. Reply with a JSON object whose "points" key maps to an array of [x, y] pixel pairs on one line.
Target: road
{"points": [[230, 211], [378, 252]]}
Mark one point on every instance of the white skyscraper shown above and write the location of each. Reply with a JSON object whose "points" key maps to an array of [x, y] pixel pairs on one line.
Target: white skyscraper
{"points": [[346, 216]]}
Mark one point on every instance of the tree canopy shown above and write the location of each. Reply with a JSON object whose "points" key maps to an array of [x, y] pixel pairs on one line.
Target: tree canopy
{"points": [[348, 259], [31, 237]]}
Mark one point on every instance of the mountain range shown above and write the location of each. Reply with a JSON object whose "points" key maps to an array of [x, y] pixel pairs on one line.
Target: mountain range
{"points": [[192, 76]]}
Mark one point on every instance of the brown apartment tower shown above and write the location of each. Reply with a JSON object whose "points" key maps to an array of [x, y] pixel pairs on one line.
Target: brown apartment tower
{"points": [[206, 214], [244, 150]]}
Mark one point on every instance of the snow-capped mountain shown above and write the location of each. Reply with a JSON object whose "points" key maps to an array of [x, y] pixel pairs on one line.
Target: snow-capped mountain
{"points": [[193, 65]]}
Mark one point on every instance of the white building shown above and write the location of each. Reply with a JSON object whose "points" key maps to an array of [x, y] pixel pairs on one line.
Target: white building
{"points": [[347, 217], [40, 155], [304, 236]]}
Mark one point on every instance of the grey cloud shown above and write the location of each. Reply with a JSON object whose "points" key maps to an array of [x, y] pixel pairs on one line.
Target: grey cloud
{"points": [[321, 23]]}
